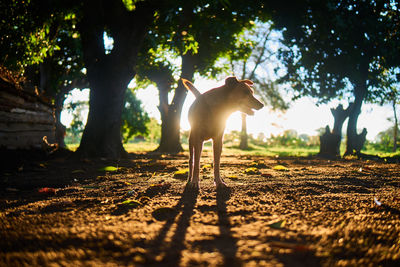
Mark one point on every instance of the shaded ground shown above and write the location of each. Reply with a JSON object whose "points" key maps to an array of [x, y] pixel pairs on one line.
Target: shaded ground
{"points": [[307, 212]]}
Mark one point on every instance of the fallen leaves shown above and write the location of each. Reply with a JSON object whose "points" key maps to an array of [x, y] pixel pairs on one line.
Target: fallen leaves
{"points": [[109, 169], [206, 166], [278, 225], [132, 203], [181, 174], [251, 170], [258, 164], [266, 175], [163, 213], [280, 168], [47, 191]]}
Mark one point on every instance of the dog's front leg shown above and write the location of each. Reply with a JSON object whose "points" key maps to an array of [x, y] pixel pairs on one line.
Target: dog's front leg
{"points": [[197, 148], [217, 149], [191, 156]]}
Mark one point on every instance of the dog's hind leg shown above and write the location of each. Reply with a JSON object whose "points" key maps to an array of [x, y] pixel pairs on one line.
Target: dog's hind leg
{"points": [[217, 149]]}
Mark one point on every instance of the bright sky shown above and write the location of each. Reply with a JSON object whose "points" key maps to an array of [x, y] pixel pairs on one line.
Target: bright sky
{"points": [[303, 116]]}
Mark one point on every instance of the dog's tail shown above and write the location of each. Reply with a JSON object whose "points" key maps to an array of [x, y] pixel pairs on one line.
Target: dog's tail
{"points": [[188, 85]]}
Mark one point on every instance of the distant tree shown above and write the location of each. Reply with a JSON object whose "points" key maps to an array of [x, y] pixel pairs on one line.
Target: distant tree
{"points": [[134, 118], [252, 58], [384, 139], [336, 48], [330, 140], [154, 128], [389, 93], [74, 131]]}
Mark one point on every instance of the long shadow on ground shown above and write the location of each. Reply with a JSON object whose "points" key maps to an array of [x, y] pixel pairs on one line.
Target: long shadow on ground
{"points": [[228, 248], [176, 246]]}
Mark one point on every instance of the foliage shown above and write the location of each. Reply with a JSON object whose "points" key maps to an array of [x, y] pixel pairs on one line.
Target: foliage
{"points": [[24, 33], [384, 140], [154, 130], [290, 138], [134, 118], [253, 59], [204, 30], [74, 132], [387, 89], [328, 43]]}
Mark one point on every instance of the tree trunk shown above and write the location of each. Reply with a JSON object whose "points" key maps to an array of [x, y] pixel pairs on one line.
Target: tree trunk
{"points": [[244, 144], [102, 134], [329, 144], [109, 73], [170, 126], [60, 128], [395, 132], [330, 141], [355, 142]]}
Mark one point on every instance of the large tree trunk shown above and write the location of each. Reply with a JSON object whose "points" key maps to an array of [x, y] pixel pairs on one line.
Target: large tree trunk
{"points": [[109, 73], [244, 143], [330, 141], [355, 141], [102, 134], [170, 126]]}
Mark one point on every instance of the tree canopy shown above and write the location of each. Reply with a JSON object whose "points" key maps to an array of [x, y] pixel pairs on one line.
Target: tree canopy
{"points": [[337, 48], [330, 44]]}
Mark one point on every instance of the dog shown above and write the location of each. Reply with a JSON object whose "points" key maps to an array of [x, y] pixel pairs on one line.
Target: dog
{"points": [[207, 118]]}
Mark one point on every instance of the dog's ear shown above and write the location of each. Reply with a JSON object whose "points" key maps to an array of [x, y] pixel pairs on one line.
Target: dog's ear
{"points": [[248, 82], [231, 81]]}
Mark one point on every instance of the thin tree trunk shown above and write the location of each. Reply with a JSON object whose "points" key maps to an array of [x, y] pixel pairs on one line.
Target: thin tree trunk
{"points": [[60, 128], [244, 144], [244, 138], [395, 125], [170, 128], [354, 141]]}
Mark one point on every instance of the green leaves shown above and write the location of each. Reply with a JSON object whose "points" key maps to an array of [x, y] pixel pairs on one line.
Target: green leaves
{"points": [[134, 118], [280, 168], [278, 225], [109, 169]]}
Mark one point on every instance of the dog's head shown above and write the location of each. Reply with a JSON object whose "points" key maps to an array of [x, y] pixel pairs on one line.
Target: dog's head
{"points": [[242, 95]]}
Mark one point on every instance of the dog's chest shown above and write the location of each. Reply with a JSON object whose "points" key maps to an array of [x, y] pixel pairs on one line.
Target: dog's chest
{"points": [[205, 121]]}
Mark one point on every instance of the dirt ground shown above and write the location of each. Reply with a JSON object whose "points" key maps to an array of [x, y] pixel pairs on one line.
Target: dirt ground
{"points": [[277, 212]]}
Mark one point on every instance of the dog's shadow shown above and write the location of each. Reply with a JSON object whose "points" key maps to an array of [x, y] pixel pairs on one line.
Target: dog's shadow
{"points": [[172, 250], [228, 244]]}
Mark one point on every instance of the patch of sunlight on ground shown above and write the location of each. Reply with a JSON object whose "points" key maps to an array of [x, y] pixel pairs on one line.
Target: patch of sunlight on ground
{"points": [[232, 148], [130, 148]]}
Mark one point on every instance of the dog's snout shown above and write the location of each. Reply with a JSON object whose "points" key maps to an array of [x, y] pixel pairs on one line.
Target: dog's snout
{"points": [[257, 104]]}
